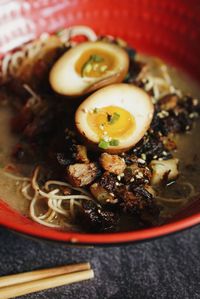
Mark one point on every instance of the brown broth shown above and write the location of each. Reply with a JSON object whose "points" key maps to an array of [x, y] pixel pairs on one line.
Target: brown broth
{"points": [[9, 188]]}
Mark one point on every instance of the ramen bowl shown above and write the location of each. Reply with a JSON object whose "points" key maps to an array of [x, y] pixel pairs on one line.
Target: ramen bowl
{"points": [[167, 29]]}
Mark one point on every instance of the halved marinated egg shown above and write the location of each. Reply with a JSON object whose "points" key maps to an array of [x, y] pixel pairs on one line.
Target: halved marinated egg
{"points": [[115, 117], [87, 67]]}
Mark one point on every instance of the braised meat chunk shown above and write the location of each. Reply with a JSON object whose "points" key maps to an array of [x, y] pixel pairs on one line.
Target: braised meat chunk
{"points": [[81, 154], [112, 163], [81, 174]]}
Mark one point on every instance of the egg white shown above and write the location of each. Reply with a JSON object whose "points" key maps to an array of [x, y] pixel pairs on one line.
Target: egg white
{"points": [[64, 78], [133, 99]]}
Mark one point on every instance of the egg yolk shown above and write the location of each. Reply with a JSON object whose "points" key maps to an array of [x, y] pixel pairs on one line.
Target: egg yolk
{"points": [[111, 121], [94, 63]]}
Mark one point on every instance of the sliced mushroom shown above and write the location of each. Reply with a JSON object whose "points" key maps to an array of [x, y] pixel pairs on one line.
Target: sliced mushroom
{"points": [[164, 171]]}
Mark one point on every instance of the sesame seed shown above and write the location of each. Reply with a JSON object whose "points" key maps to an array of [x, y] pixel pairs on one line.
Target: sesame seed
{"points": [[195, 102], [193, 115], [163, 114], [164, 153], [141, 161]]}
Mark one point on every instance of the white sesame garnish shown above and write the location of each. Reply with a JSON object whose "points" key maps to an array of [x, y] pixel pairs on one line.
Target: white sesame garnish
{"points": [[193, 115], [163, 114], [164, 153], [195, 102], [120, 176], [141, 161]]}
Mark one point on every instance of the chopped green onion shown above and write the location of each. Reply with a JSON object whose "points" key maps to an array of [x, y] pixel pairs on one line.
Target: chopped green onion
{"points": [[96, 58], [114, 142], [103, 68], [88, 68], [103, 144], [114, 118], [95, 110], [88, 65]]}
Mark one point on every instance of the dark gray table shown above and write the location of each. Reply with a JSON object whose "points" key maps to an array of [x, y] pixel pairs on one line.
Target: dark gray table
{"points": [[164, 268]]}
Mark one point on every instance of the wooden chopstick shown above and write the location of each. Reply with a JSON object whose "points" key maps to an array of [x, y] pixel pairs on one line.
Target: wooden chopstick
{"points": [[43, 284], [29, 282], [40, 274]]}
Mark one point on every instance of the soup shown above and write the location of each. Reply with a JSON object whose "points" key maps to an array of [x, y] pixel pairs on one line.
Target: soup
{"points": [[114, 149]]}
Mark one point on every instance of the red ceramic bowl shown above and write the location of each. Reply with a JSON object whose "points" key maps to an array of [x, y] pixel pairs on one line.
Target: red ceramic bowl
{"points": [[169, 29]]}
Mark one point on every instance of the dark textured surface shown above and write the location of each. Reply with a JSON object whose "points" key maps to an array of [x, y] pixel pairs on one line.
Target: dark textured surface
{"points": [[164, 268]]}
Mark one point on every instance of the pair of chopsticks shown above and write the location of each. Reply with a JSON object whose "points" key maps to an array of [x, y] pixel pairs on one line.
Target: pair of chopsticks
{"points": [[15, 285]]}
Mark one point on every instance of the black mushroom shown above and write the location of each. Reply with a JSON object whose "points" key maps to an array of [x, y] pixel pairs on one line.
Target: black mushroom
{"points": [[94, 218]]}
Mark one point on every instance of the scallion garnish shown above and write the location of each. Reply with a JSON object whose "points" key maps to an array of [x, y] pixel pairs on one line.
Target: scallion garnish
{"points": [[88, 65], [114, 142], [103, 144], [95, 110], [113, 118]]}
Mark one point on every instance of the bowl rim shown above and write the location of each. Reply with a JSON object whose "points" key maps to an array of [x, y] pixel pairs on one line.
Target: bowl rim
{"points": [[98, 238]]}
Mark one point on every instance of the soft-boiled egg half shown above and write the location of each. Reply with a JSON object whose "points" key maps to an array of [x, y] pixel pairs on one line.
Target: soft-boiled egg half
{"points": [[115, 117], [87, 67]]}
